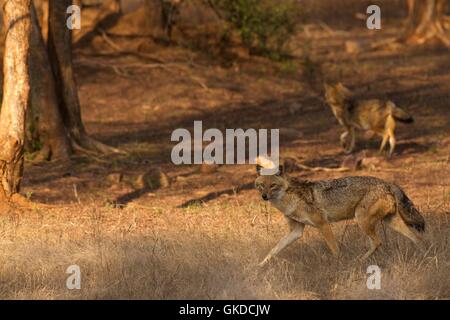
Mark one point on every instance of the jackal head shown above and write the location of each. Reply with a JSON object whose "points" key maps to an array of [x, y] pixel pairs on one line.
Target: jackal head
{"points": [[335, 95], [271, 187]]}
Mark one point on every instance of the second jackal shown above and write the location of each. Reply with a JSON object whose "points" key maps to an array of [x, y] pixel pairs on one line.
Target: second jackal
{"points": [[376, 115]]}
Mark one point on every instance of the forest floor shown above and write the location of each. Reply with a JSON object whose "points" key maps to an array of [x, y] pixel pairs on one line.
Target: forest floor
{"points": [[203, 235]]}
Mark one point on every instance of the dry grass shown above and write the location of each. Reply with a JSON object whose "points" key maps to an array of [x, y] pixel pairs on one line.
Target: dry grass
{"points": [[206, 253]]}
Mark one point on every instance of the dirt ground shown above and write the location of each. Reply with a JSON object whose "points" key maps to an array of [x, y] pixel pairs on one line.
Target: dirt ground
{"points": [[202, 236]]}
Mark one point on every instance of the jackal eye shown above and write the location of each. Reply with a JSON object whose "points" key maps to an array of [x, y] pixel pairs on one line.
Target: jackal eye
{"points": [[273, 186]]}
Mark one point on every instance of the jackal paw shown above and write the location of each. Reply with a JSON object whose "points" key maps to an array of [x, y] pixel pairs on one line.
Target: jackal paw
{"points": [[264, 262], [348, 150], [364, 257]]}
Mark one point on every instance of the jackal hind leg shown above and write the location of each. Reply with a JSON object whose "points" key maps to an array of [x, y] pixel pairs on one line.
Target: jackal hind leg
{"points": [[375, 241], [383, 142], [370, 212], [328, 235], [390, 128], [392, 143]]}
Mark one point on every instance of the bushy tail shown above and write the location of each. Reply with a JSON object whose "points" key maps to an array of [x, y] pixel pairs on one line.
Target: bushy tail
{"points": [[409, 214], [400, 114]]}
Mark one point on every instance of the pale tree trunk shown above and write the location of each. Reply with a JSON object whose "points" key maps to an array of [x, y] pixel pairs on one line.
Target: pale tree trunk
{"points": [[44, 102], [17, 24], [44, 23], [426, 22], [60, 54]]}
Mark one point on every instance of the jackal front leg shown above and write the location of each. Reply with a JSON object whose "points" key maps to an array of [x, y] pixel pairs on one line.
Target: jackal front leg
{"points": [[296, 232], [343, 139], [348, 139], [351, 146]]}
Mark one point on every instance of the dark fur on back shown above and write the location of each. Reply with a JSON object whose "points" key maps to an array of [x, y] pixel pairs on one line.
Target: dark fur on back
{"points": [[302, 188]]}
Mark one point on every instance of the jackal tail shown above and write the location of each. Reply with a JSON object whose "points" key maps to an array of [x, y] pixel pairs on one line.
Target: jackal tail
{"points": [[400, 114], [407, 211]]}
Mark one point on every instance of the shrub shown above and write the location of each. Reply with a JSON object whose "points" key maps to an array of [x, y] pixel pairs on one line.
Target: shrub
{"points": [[263, 25]]}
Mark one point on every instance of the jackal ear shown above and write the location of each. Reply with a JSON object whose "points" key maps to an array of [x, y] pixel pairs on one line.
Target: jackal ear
{"points": [[280, 171], [343, 89], [258, 169]]}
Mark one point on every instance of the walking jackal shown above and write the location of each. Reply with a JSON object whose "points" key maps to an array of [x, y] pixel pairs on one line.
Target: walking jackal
{"points": [[368, 200], [376, 115]]}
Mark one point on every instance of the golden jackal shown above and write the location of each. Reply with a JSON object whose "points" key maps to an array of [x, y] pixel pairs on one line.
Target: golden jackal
{"points": [[376, 115], [368, 200]]}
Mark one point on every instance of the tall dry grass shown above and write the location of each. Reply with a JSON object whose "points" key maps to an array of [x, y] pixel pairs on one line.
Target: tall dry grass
{"points": [[206, 253]]}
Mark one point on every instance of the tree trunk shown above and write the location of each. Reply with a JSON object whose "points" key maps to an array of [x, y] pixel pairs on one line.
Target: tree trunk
{"points": [[155, 23], [161, 15], [44, 102], [44, 23], [426, 22], [60, 54], [17, 24]]}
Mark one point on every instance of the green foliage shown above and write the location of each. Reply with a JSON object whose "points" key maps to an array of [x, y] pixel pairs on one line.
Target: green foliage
{"points": [[33, 142], [289, 67], [263, 25], [35, 145]]}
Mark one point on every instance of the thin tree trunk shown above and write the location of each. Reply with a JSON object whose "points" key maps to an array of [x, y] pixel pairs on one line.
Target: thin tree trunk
{"points": [[44, 102], [17, 24], [60, 54], [156, 19], [426, 22]]}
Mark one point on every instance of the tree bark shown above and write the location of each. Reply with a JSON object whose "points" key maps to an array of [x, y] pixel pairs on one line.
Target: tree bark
{"points": [[60, 54], [44, 23], [155, 22], [426, 22], [17, 24], [44, 102]]}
